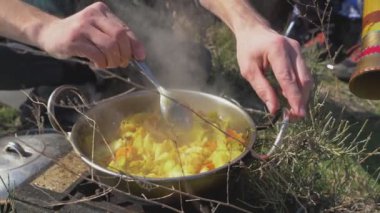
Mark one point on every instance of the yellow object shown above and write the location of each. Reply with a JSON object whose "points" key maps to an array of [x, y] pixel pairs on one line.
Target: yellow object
{"points": [[148, 148], [370, 28], [370, 6], [365, 81], [371, 17]]}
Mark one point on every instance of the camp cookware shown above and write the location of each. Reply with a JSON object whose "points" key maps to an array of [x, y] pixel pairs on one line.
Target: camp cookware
{"points": [[98, 127]]}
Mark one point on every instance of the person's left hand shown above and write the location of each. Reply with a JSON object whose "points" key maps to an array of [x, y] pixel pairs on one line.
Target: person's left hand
{"points": [[260, 47]]}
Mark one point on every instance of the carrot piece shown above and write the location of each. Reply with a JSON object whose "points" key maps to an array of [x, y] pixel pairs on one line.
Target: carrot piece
{"points": [[123, 152], [210, 145], [232, 134], [209, 165]]}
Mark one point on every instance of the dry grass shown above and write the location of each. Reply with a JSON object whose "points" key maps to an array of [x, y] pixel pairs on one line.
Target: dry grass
{"points": [[317, 169]]}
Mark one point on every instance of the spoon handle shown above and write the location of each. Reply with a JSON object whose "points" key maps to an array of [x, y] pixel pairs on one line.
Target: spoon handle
{"points": [[147, 72]]}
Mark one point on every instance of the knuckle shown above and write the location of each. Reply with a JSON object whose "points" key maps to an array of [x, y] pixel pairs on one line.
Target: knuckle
{"points": [[279, 40], [247, 74], [119, 32], [246, 70], [295, 44], [99, 6], [88, 12], [94, 9], [286, 77]]}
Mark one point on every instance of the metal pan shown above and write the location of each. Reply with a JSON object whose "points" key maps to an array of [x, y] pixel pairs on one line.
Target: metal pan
{"points": [[98, 126]]}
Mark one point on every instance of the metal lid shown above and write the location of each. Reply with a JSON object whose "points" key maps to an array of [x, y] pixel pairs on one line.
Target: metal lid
{"points": [[16, 153], [20, 159], [23, 157]]}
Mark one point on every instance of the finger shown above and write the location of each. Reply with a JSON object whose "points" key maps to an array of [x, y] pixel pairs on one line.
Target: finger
{"points": [[138, 50], [304, 79], [90, 51], [119, 37], [121, 34], [262, 87], [281, 63], [101, 35], [304, 75]]}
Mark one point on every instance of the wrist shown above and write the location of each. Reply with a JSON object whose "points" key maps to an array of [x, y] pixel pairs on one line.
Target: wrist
{"points": [[248, 20], [35, 31], [250, 26], [238, 15]]}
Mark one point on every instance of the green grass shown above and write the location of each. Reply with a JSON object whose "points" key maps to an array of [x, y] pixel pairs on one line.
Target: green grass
{"points": [[8, 119]]}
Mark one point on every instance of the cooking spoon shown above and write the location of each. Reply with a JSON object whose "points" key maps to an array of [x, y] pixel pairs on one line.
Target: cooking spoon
{"points": [[172, 111]]}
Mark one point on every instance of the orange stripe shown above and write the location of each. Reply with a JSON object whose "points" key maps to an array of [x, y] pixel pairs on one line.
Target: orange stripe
{"points": [[371, 18]]}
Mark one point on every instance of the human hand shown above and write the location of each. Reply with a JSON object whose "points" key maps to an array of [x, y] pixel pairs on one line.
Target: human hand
{"points": [[94, 33], [260, 47]]}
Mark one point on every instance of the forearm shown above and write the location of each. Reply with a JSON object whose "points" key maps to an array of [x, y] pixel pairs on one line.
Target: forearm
{"points": [[22, 22], [236, 14]]}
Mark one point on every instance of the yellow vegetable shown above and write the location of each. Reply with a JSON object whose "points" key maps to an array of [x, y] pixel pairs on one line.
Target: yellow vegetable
{"points": [[146, 147]]}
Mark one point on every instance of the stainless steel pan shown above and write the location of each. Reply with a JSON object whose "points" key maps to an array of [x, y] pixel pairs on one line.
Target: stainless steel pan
{"points": [[94, 130]]}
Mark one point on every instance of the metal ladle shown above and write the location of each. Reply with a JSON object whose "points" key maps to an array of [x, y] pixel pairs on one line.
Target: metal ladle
{"points": [[172, 111]]}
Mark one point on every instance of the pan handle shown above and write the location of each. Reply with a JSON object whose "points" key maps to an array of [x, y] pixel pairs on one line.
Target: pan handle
{"points": [[269, 124], [277, 143], [272, 119], [64, 106]]}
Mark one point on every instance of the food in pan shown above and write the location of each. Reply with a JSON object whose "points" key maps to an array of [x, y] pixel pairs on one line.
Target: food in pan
{"points": [[148, 147]]}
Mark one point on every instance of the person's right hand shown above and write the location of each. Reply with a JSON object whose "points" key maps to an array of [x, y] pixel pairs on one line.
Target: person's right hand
{"points": [[94, 33], [259, 48]]}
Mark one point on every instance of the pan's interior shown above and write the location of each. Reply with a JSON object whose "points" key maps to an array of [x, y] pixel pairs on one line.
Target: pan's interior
{"points": [[92, 142]]}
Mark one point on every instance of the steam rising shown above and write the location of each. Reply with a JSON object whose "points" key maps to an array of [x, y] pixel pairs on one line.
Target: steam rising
{"points": [[178, 62]]}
